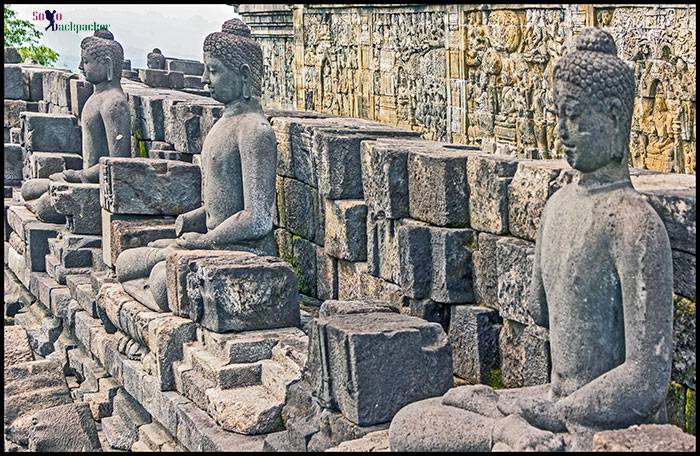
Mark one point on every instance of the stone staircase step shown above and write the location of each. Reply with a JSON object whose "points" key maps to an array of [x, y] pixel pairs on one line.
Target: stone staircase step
{"points": [[250, 410], [194, 386], [248, 346], [225, 376], [276, 377], [156, 438], [118, 434], [139, 447]]}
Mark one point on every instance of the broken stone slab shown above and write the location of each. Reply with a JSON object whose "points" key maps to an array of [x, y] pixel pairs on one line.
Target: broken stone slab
{"points": [[249, 346], [56, 87], [14, 88], [80, 91], [17, 347], [119, 435], [240, 294], [345, 229], [149, 186], [338, 307], [326, 275], [45, 435], [166, 336], [177, 268], [44, 164], [363, 350], [437, 187], [13, 162], [645, 438], [37, 235], [188, 67], [154, 77], [474, 338], [673, 198], [377, 441], [489, 177], [514, 268], [535, 181], [524, 352], [121, 232], [80, 203], [183, 125], [50, 132]]}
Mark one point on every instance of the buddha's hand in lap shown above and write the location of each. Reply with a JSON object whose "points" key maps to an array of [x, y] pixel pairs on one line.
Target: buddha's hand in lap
{"points": [[538, 412], [516, 434], [71, 175], [194, 241]]}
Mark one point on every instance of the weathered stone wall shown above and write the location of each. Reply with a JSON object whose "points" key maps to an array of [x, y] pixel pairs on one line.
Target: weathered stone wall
{"points": [[481, 74]]}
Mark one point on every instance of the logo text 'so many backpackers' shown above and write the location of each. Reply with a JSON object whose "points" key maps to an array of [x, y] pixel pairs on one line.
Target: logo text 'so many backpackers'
{"points": [[54, 17], [48, 15]]}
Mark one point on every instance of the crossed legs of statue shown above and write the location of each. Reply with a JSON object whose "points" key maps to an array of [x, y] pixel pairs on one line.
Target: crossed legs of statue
{"points": [[472, 418]]}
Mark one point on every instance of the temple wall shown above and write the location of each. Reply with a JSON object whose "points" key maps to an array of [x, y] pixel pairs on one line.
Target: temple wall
{"points": [[369, 211], [479, 74]]}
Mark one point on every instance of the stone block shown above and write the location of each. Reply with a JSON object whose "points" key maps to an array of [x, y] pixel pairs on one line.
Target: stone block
{"points": [[673, 197], [166, 337], [18, 265], [415, 253], [17, 349], [684, 361], [59, 299], [18, 217], [44, 164], [80, 91], [193, 82], [298, 207], [346, 229], [80, 203], [34, 80], [83, 325], [183, 125], [176, 79], [363, 350], [515, 259], [177, 267], [437, 187], [188, 67], [645, 438], [46, 435], [429, 310], [451, 265], [150, 118], [327, 275], [485, 271], [50, 132], [121, 232], [474, 339], [14, 83], [684, 273], [118, 434], [383, 247], [534, 182], [148, 186], [37, 235], [385, 178], [12, 172], [12, 55], [240, 294], [56, 88], [11, 114], [524, 352], [304, 264], [15, 135], [489, 177], [154, 78]]}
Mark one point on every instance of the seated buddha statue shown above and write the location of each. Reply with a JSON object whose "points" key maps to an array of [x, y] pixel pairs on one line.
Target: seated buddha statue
{"points": [[601, 284], [238, 162]]}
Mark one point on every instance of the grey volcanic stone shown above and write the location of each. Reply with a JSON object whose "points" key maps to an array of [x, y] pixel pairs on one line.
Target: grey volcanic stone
{"points": [[684, 273], [80, 203], [524, 352], [154, 77], [12, 160], [514, 269], [37, 235], [474, 338], [50, 132], [149, 186], [645, 438], [437, 187], [250, 293], [48, 435], [14, 88], [123, 232], [415, 252], [383, 247], [44, 164], [385, 178], [684, 343], [534, 182], [485, 271], [12, 55], [298, 207], [489, 178], [188, 67], [176, 79], [17, 347], [346, 229], [56, 88], [11, 116], [336, 307], [363, 350], [80, 91], [452, 265]]}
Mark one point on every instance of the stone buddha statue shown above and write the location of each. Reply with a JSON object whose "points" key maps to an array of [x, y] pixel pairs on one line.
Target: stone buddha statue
{"points": [[155, 60], [238, 161], [601, 283], [105, 121]]}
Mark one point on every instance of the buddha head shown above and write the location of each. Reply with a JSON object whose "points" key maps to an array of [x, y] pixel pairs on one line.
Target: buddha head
{"points": [[594, 97], [233, 63], [101, 57]]}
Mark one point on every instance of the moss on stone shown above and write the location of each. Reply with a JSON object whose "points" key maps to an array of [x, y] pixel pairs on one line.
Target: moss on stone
{"points": [[473, 242], [684, 305], [495, 379], [689, 411], [675, 404]]}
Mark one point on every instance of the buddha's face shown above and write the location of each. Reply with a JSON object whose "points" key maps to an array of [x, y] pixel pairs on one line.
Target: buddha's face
{"points": [[589, 132], [94, 71], [225, 84]]}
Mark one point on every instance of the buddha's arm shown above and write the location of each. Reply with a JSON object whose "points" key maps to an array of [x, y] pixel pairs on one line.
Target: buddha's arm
{"points": [[537, 300], [192, 221], [118, 130], [635, 389], [258, 165]]}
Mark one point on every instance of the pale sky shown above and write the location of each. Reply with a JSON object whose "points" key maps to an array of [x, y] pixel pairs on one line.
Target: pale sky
{"points": [[177, 30]]}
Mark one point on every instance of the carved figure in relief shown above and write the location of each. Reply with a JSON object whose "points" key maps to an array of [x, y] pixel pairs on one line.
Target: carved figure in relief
{"points": [[239, 158], [610, 368]]}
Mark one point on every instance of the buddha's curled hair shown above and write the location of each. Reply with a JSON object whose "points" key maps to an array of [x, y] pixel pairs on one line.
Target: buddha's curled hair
{"points": [[594, 68], [234, 46], [101, 45]]}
